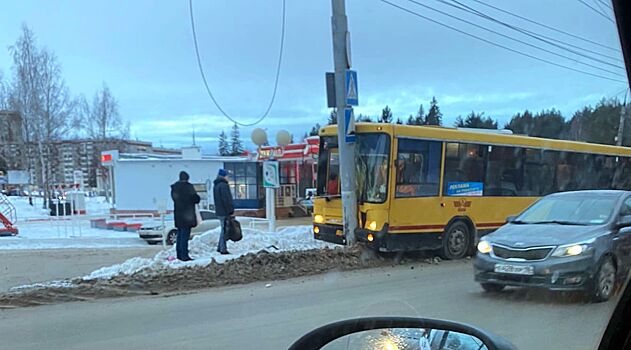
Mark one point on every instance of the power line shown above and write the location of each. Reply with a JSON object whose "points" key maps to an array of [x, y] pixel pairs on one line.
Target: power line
{"points": [[600, 7], [511, 38], [606, 3], [594, 9], [537, 36], [545, 25], [499, 45], [201, 69]]}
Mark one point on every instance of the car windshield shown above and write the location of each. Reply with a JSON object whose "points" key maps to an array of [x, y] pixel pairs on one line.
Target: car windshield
{"points": [[233, 174], [568, 209]]}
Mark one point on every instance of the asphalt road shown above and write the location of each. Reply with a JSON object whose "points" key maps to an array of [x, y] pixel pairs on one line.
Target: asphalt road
{"points": [[257, 316]]}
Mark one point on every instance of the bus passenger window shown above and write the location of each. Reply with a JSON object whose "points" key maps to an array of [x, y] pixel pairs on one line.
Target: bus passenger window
{"points": [[465, 165], [417, 168], [503, 172]]}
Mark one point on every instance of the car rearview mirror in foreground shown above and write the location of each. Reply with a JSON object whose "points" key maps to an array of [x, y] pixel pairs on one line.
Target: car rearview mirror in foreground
{"points": [[511, 218], [624, 221], [399, 333]]}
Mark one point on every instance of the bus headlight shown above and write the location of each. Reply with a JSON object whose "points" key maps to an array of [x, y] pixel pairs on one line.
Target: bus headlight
{"points": [[319, 219], [372, 225], [484, 247], [316, 230]]}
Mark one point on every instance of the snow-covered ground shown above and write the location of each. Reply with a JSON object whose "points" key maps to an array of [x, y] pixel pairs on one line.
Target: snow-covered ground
{"points": [[203, 249], [26, 212], [37, 230], [66, 234]]}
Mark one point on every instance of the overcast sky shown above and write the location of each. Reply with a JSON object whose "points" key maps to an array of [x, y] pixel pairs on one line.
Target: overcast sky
{"points": [[144, 51]]}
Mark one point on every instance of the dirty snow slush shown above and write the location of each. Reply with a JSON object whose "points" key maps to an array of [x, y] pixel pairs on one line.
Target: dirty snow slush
{"points": [[251, 267]]}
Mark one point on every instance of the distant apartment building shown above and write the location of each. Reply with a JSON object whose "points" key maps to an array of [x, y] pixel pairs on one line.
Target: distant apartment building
{"points": [[64, 157]]}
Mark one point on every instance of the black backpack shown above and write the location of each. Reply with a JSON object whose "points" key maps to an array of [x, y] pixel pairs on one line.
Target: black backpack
{"points": [[233, 229]]}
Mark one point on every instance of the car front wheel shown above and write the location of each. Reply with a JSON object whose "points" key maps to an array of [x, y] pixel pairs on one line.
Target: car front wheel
{"points": [[171, 237], [604, 281]]}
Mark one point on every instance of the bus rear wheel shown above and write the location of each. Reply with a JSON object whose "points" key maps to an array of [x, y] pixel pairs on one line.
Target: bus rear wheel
{"points": [[456, 241]]}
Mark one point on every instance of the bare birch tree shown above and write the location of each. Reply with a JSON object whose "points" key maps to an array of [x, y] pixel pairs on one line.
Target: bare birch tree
{"points": [[40, 94], [105, 121]]}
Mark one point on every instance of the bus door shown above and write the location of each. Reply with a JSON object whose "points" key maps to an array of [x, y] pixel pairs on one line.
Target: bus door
{"points": [[416, 206]]}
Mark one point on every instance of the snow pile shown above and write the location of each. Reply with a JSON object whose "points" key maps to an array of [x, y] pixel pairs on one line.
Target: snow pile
{"points": [[51, 284], [203, 249]]}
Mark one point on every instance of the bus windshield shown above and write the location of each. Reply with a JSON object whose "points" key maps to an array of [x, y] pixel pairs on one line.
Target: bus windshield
{"points": [[328, 182], [373, 151]]}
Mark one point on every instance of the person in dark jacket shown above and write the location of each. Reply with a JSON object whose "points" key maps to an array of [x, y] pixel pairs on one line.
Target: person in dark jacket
{"points": [[223, 207], [184, 200]]}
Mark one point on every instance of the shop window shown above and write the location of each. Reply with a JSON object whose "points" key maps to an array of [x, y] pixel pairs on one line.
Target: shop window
{"points": [[243, 179]]}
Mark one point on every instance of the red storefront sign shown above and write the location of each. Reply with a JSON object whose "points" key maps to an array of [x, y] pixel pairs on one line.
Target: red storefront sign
{"points": [[293, 151]]}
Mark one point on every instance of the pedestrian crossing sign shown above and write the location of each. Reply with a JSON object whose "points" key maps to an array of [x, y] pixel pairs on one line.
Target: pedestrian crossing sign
{"points": [[351, 88]]}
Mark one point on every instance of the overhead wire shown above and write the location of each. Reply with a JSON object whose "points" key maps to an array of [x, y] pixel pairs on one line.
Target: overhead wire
{"points": [[203, 75], [600, 6], [512, 38], [541, 37], [594, 9], [497, 44], [606, 3], [546, 26]]}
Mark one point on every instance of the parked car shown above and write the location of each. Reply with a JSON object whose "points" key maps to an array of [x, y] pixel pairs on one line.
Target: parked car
{"points": [[566, 241], [152, 233], [307, 203]]}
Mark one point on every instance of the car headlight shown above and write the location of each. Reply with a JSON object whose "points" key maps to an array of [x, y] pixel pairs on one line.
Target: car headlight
{"points": [[484, 247], [371, 225], [571, 249], [319, 219]]}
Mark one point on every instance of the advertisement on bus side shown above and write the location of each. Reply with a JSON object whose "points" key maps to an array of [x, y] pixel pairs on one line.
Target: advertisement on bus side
{"points": [[465, 188]]}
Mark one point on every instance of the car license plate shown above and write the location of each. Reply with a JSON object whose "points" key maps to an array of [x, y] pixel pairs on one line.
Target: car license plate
{"points": [[339, 233], [515, 269]]}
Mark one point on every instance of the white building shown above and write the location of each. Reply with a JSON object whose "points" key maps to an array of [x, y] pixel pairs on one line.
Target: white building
{"points": [[142, 182]]}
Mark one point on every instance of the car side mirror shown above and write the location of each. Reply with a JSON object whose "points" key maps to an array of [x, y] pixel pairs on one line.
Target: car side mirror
{"points": [[511, 218], [399, 333], [624, 221]]}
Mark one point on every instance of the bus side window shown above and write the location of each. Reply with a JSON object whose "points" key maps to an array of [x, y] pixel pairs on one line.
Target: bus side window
{"points": [[622, 175], [503, 172], [418, 168], [464, 163]]}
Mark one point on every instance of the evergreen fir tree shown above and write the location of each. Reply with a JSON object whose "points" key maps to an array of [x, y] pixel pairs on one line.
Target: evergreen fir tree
{"points": [[434, 116], [386, 115], [223, 144], [333, 117], [236, 147]]}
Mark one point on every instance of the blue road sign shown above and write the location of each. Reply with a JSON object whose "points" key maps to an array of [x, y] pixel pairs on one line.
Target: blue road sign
{"points": [[351, 88], [349, 125]]}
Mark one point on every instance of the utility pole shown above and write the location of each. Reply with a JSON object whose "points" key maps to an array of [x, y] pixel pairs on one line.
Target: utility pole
{"points": [[623, 115], [339, 24]]}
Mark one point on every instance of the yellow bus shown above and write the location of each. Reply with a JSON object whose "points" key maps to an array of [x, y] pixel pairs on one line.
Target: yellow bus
{"points": [[436, 188]]}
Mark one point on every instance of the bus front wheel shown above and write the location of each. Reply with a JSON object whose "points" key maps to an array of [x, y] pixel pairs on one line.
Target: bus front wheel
{"points": [[456, 241]]}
